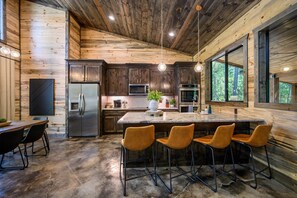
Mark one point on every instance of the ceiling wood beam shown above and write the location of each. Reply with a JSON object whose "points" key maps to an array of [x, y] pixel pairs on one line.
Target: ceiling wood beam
{"points": [[185, 25], [103, 15]]}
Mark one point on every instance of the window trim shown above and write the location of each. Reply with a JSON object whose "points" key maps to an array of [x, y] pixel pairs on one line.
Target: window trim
{"points": [[208, 77], [275, 21], [4, 22]]}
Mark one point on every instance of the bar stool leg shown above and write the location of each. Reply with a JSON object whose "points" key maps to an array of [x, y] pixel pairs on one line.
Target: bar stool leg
{"points": [[170, 179], [268, 163], [214, 170], [22, 159], [154, 164], [253, 167], [233, 163], [125, 171]]}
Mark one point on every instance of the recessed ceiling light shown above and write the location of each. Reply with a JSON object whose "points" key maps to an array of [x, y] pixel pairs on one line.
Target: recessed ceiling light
{"points": [[171, 34], [286, 69], [111, 17]]}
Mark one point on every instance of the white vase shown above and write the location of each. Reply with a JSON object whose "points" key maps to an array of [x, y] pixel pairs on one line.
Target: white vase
{"points": [[153, 105]]}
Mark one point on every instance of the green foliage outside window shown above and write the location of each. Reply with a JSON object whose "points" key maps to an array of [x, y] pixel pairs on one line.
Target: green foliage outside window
{"points": [[285, 92], [235, 82]]}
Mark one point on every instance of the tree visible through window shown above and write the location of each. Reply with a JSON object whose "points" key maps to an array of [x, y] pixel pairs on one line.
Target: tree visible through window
{"points": [[227, 77], [285, 92]]}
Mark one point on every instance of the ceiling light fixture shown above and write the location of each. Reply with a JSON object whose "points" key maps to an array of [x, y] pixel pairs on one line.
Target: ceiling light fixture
{"points": [[162, 66], [111, 17], [198, 67], [5, 50], [171, 34], [285, 69], [15, 54]]}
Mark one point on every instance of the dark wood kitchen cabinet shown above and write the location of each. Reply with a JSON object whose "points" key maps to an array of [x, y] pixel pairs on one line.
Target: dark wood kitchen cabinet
{"points": [[110, 119], [139, 76], [163, 81], [186, 73], [85, 71], [117, 81]]}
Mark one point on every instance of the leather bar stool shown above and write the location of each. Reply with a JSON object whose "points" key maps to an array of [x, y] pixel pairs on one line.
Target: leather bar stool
{"points": [[136, 139], [220, 140], [180, 137], [258, 138]]}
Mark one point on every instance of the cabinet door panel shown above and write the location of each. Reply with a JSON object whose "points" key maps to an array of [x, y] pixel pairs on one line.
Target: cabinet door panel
{"points": [[168, 82], [117, 81], [92, 73], [110, 123], [156, 80], [134, 77], [76, 73], [144, 76]]}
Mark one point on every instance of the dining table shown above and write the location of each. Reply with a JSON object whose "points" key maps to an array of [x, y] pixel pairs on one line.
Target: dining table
{"points": [[14, 125]]}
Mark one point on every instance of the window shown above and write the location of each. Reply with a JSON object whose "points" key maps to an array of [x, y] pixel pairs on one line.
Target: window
{"points": [[227, 75], [1, 19], [276, 62], [285, 92]]}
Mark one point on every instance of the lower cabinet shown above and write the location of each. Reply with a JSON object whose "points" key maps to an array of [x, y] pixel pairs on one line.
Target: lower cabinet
{"points": [[110, 119]]}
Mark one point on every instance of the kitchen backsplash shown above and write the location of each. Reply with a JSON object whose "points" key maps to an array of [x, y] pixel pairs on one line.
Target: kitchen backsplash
{"points": [[135, 101]]}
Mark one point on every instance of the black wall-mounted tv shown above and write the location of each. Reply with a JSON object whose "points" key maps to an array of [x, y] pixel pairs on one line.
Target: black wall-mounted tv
{"points": [[42, 97]]}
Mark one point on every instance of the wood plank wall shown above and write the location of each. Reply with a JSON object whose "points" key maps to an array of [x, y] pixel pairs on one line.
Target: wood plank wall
{"points": [[283, 154], [12, 41], [74, 39], [43, 56], [12, 23], [117, 49]]}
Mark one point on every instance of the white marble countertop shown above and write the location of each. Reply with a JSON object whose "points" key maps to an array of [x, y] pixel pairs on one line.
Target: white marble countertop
{"points": [[176, 117]]}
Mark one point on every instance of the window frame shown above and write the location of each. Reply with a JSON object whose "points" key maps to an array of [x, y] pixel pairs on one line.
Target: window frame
{"points": [[262, 31], [3, 21], [242, 42]]}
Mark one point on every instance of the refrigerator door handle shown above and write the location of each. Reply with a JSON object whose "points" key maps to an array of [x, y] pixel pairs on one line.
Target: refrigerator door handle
{"points": [[79, 104], [84, 104]]}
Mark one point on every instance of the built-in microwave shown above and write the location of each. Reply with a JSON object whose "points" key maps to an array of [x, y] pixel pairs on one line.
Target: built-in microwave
{"points": [[189, 94], [138, 89]]}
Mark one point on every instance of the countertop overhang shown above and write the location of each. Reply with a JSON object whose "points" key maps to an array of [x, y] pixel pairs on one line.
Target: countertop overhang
{"points": [[176, 117]]}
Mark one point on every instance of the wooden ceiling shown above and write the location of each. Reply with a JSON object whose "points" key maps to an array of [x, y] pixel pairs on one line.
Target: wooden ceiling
{"points": [[140, 19]]}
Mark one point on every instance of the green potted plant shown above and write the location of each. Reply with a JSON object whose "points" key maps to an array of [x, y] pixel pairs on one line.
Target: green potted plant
{"points": [[154, 96], [172, 102]]}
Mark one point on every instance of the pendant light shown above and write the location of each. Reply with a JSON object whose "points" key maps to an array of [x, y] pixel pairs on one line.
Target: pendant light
{"points": [[198, 67], [162, 66]]}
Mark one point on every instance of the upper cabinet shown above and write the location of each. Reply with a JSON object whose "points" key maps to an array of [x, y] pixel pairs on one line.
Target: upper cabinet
{"points": [[163, 81], [186, 73], [117, 80], [85, 71], [139, 76]]}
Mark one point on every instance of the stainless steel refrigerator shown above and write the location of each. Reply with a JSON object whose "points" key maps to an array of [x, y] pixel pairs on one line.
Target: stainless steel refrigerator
{"points": [[83, 115]]}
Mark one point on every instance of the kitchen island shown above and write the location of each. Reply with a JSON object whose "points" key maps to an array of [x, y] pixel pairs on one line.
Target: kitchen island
{"points": [[206, 123]]}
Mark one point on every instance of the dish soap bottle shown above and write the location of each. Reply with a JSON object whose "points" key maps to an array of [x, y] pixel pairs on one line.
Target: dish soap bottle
{"points": [[206, 110], [167, 103], [209, 110]]}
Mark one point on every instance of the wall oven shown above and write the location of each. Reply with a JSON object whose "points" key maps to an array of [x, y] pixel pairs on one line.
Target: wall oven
{"points": [[189, 97], [138, 89]]}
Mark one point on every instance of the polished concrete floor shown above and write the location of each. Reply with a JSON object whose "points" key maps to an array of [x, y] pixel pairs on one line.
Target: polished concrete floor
{"points": [[89, 167]]}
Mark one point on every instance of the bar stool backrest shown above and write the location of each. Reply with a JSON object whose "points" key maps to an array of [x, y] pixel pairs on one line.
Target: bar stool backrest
{"points": [[180, 137], [35, 133], [139, 138], [10, 140], [222, 137], [260, 135]]}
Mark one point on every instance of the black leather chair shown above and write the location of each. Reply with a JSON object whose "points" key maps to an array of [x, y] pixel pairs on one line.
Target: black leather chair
{"points": [[45, 133], [8, 142], [35, 133]]}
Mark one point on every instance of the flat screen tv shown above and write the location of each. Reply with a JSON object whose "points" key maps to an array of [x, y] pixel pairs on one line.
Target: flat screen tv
{"points": [[42, 97]]}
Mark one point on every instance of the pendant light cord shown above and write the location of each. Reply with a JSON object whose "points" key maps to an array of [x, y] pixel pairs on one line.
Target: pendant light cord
{"points": [[161, 31], [198, 33]]}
